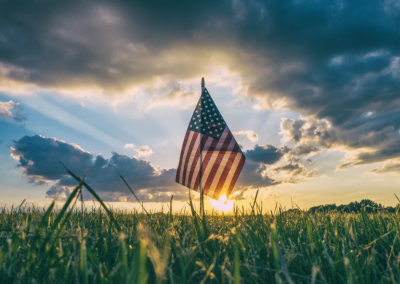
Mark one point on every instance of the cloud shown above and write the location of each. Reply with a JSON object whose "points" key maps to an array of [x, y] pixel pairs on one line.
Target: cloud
{"points": [[308, 133], [266, 154], [345, 165], [295, 172], [5, 108], [251, 135], [311, 174], [172, 94], [58, 192], [254, 175], [39, 158], [261, 170], [304, 149], [144, 152], [295, 169], [239, 195], [374, 139], [388, 167], [12, 110]]}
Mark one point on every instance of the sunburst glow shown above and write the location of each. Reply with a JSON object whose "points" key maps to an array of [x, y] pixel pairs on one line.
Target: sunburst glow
{"points": [[221, 205]]}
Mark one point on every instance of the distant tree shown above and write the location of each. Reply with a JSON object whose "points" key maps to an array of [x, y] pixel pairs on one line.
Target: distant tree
{"points": [[355, 207]]}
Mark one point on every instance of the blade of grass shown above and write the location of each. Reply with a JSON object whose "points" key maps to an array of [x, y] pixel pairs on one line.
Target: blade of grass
{"points": [[110, 214], [141, 204], [171, 218]]}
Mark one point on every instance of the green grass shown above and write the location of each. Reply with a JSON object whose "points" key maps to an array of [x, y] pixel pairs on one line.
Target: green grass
{"points": [[114, 246]]}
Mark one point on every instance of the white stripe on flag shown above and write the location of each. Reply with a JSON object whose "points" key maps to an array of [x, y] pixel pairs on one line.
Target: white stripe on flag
{"points": [[207, 171], [222, 139], [218, 174], [197, 168]]}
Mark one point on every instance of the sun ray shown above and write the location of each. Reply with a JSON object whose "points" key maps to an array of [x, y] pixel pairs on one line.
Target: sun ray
{"points": [[222, 204]]}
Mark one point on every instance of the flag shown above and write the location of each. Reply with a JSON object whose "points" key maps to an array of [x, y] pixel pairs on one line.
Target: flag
{"points": [[222, 159]]}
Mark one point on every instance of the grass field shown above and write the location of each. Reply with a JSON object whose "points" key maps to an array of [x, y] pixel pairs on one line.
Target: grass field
{"points": [[111, 246]]}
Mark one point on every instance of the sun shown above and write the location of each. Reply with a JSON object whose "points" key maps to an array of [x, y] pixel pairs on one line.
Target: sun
{"points": [[221, 205]]}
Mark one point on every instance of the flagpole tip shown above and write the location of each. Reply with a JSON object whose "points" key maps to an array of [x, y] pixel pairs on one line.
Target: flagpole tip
{"points": [[202, 82]]}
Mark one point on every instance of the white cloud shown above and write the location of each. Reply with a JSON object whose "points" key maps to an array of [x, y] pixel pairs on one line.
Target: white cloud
{"points": [[6, 107], [122, 199], [14, 156], [144, 152], [253, 137]]}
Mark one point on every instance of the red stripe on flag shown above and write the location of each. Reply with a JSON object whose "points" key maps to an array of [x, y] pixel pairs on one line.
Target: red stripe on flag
{"points": [[181, 157], [189, 153]]}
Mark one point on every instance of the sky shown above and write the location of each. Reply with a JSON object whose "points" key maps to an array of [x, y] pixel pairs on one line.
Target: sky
{"points": [[310, 90]]}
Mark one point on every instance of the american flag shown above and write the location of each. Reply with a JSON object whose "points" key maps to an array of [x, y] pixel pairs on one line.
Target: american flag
{"points": [[222, 158]]}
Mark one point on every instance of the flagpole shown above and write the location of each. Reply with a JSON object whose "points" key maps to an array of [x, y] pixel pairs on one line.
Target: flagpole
{"points": [[201, 151]]}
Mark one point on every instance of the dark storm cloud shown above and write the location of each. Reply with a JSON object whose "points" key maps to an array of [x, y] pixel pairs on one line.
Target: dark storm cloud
{"points": [[111, 45], [252, 176], [332, 60], [255, 171], [39, 158], [289, 49], [266, 154]]}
